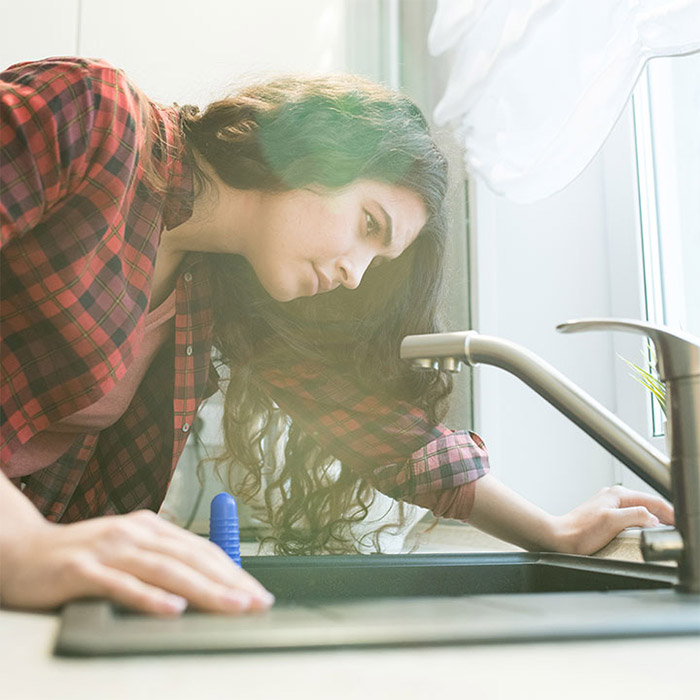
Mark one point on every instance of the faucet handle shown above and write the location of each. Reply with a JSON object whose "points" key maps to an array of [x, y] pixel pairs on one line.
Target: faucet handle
{"points": [[677, 352]]}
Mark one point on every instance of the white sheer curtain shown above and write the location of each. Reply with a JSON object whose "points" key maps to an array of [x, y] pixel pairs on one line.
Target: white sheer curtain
{"points": [[537, 85]]}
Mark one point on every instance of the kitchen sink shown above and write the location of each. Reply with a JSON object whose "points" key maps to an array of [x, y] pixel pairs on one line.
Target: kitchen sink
{"points": [[315, 579], [416, 599]]}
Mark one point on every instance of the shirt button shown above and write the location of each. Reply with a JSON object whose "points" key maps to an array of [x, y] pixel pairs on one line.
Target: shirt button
{"points": [[185, 427], [189, 350], [187, 276]]}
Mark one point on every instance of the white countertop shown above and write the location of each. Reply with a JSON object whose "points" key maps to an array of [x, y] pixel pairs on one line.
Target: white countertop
{"points": [[635, 668], [639, 669]]}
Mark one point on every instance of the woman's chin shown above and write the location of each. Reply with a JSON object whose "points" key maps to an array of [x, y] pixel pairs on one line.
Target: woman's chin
{"points": [[286, 295]]}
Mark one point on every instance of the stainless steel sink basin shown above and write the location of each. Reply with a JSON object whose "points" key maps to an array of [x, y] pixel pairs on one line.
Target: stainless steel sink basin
{"points": [[390, 600]]}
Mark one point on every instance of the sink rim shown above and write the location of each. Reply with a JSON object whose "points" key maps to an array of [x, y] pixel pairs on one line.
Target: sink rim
{"points": [[592, 564], [96, 628]]}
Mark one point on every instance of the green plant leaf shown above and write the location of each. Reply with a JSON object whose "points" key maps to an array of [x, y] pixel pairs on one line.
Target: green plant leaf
{"points": [[649, 380]]}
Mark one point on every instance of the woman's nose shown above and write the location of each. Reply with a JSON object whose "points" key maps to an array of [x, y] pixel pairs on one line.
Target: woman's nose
{"points": [[350, 272]]}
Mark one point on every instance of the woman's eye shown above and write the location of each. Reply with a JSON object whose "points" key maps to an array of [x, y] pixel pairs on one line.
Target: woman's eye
{"points": [[371, 225]]}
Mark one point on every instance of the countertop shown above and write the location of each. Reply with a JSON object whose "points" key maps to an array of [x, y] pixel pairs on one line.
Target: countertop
{"points": [[639, 668]]}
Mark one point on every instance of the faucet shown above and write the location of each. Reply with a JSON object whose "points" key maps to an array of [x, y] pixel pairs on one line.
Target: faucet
{"points": [[678, 363]]}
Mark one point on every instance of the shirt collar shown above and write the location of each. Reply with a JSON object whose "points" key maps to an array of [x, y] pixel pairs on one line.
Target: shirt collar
{"points": [[179, 200]]}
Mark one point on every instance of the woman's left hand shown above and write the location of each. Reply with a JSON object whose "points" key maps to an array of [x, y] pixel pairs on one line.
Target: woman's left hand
{"points": [[593, 524]]}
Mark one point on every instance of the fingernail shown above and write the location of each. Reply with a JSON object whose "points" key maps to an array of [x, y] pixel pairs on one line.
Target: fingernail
{"points": [[240, 600], [654, 520], [176, 603], [264, 598]]}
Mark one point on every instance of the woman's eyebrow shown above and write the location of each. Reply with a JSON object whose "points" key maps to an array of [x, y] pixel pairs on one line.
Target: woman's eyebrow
{"points": [[388, 228]]}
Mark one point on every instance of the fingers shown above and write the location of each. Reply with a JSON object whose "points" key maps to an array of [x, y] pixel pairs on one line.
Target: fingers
{"points": [[204, 557], [210, 561], [633, 516], [654, 504], [593, 524], [168, 573], [90, 578], [144, 562]]}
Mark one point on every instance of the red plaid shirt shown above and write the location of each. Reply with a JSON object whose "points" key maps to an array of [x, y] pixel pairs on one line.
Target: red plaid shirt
{"points": [[80, 228]]}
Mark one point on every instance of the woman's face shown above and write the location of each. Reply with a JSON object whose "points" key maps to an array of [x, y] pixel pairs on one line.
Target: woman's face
{"points": [[313, 240]]}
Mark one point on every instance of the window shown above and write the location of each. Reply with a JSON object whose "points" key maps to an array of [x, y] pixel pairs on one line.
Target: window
{"points": [[667, 136]]}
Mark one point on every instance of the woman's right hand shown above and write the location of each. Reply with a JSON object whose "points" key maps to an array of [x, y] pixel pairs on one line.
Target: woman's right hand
{"points": [[138, 560]]}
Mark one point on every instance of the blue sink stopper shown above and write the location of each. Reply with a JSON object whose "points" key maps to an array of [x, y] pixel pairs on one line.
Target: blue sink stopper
{"points": [[223, 525]]}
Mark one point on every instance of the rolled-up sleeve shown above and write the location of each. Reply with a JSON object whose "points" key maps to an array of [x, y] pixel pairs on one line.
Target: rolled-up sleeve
{"points": [[453, 459], [389, 442]]}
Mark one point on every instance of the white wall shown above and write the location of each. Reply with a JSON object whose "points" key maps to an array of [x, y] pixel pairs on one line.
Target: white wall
{"points": [[188, 52], [37, 29], [571, 256]]}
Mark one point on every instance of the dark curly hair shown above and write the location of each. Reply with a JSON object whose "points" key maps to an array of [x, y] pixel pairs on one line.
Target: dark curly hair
{"points": [[286, 134]]}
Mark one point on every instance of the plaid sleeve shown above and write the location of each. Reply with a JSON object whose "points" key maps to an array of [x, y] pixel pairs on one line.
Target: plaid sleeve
{"points": [[389, 442], [47, 114], [451, 460]]}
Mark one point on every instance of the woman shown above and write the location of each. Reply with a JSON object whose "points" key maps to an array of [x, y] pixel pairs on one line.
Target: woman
{"points": [[136, 236]]}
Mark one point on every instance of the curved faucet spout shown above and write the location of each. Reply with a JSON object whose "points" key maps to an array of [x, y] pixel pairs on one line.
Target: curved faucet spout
{"points": [[590, 415]]}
